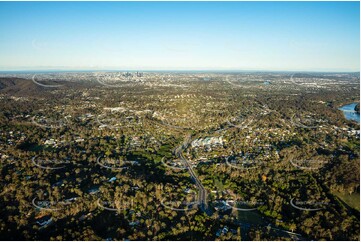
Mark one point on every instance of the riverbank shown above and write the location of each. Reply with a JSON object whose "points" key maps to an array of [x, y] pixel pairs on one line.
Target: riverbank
{"points": [[349, 112]]}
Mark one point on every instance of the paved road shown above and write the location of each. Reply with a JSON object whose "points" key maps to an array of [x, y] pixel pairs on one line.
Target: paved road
{"points": [[202, 195]]}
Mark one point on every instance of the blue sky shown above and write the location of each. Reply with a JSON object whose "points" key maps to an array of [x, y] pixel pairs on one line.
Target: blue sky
{"points": [[290, 36]]}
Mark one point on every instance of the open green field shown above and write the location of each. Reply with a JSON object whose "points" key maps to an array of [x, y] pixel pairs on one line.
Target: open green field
{"points": [[352, 200]]}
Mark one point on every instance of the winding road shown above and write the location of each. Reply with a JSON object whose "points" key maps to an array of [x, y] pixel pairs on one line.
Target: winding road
{"points": [[202, 195]]}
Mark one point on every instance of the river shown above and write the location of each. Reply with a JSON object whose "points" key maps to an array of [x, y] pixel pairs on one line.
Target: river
{"points": [[349, 112]]}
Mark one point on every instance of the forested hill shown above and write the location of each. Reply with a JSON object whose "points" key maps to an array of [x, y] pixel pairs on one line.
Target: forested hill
{"points": [[9, 85]]}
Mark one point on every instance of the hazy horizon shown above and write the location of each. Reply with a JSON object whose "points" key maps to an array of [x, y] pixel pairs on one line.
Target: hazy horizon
{"points": [[165, 71], [215, 36]]}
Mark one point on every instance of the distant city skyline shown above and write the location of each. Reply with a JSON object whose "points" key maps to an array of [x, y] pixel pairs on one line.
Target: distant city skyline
{"points": [[209, 36]]}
